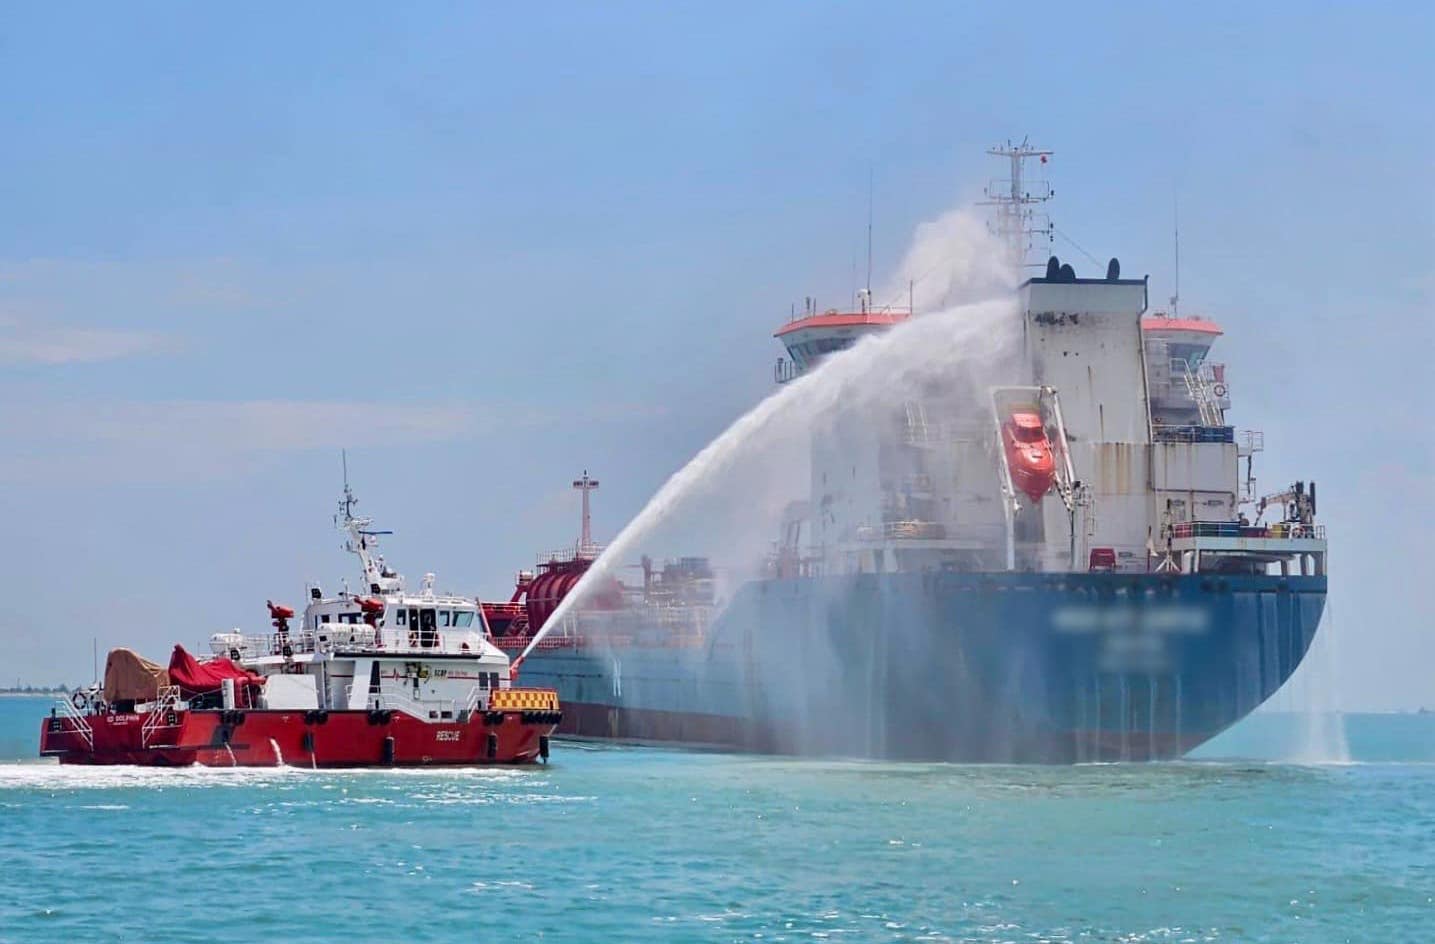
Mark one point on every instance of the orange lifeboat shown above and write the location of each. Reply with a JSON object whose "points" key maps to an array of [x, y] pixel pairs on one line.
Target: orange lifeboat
{"points": [[1028, 454]]}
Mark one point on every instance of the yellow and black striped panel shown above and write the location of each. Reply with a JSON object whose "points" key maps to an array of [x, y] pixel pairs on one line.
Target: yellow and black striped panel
{"points": [[523, 699]]}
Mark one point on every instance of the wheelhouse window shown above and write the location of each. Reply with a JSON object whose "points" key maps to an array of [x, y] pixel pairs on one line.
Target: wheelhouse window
{"points": [[445, 618], [399, 616], [462, 619]]}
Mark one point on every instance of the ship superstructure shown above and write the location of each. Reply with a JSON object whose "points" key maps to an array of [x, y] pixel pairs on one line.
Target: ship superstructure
{"points": [[1059, 567]]}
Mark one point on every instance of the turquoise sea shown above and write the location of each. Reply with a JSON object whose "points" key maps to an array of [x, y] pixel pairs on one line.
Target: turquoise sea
{"points": [[636, 844]]}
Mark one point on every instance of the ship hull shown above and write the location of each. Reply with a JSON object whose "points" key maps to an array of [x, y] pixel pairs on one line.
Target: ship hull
{"points": [[264, 738], [1003, 668]]}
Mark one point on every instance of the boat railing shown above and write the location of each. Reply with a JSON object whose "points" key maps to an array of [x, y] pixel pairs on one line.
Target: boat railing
{"points": [[389, 698], [476, 701], [242, 645], [78, 723], [164, 713], [333, 636]]}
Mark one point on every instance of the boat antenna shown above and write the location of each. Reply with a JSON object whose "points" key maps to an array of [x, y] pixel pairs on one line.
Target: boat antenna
{"points": [[349, 499]]}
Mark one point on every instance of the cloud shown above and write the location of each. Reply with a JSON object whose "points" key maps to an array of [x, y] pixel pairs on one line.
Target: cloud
{"points": [[23, 342], [182, 440]]}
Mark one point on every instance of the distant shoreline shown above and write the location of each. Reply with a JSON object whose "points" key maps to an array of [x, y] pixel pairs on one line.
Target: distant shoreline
{"points": [[50, 693]]}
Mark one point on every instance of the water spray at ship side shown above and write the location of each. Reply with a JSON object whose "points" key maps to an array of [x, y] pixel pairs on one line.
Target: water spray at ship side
{"points": [[1001, 522]]}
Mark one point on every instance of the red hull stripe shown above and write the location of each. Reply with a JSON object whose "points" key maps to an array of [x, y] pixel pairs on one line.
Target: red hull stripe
{"points": [[319, 739]]}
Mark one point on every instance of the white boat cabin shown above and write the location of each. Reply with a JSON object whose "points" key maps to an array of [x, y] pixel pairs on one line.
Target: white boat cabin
{"points": [[424, 653]]}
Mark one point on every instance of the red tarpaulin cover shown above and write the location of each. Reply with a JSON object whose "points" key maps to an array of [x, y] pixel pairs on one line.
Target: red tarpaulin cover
{"points": [[198, 678]]}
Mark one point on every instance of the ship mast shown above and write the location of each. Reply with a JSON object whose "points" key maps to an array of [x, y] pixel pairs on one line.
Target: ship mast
{"points": [[586, 548], [1017, 201]]}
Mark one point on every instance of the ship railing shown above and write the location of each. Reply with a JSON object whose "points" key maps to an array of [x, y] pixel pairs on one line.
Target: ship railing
{"points": [[1163, 433], [564, 555], [164, 713], [560, 642], [785, 371], [77, 723], [906, 530], [1234, 529]]}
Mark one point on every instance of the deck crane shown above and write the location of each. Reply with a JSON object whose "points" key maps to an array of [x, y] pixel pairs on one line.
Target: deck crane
{"points": [[1298, 501]]}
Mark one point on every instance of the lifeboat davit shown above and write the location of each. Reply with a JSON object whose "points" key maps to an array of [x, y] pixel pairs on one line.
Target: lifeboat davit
{"points": [[1028, 454]]}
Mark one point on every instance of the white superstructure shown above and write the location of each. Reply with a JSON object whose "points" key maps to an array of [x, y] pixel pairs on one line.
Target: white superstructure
{"points": [[1136, 466], [422, 652]]}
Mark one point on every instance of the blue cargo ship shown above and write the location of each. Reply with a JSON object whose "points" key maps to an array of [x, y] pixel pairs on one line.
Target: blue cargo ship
{"points": [[1074, 566]]}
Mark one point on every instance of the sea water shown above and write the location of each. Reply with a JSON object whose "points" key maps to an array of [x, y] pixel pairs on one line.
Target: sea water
{"points": [[632, 844]]}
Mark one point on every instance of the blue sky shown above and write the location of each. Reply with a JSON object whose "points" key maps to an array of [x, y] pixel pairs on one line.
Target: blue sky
{"points": [[484, 248]]}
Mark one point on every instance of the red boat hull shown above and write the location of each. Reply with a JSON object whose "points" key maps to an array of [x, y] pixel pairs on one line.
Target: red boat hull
{"points": [[263, 738]]}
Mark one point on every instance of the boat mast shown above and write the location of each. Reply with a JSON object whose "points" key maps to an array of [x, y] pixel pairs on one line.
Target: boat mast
{"points": [[363, 541]]}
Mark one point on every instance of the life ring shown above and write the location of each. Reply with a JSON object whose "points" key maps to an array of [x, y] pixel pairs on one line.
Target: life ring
{"points": [[1219, 390], [79, 700]]}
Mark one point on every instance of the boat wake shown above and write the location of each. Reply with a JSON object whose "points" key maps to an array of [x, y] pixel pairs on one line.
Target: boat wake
{"points": [[45, 775]]}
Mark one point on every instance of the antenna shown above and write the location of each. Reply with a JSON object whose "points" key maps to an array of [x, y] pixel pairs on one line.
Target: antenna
{"points": [[870, 174], [349, 500], [1015, 200], [1176, 226]]}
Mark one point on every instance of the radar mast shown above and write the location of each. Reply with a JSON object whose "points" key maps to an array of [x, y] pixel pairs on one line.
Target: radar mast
{"points": [[1018, 200]]}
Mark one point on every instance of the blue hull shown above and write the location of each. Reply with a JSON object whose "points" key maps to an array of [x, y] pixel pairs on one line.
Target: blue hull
{"points": [[1009, 667]]}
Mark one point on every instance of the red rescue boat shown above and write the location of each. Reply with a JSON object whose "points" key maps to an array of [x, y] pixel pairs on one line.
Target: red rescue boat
{"points": [[1028, 454], [394, 677]]}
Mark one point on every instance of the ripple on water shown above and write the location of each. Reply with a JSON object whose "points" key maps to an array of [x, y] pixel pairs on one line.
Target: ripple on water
{"points": [[656, 846]]}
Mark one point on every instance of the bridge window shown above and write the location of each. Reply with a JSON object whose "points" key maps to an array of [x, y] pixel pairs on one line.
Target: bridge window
{"points": [[444, 618], [399, 616], [462, 619], [428, 628]]}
